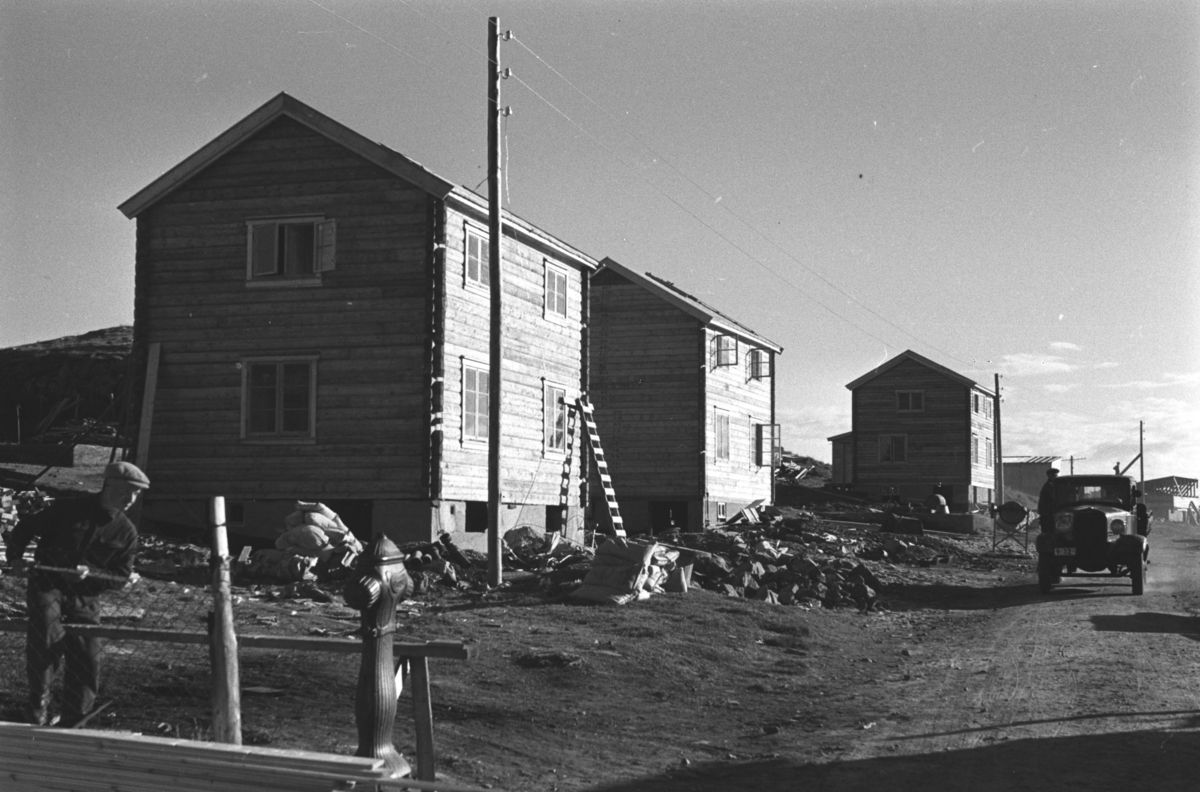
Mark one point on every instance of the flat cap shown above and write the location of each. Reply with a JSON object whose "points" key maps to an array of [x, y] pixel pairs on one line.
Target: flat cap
{"points": [[128, 472]]}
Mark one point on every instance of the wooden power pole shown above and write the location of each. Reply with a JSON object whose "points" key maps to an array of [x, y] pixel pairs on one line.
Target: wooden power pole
{"points": [[999, 460], [496, 344]]}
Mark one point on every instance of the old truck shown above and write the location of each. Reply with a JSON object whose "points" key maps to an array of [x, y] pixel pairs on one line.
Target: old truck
{"points": [[1100, 528]]}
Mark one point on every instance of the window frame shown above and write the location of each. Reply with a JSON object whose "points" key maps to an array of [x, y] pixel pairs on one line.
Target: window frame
{"points": [[324, 251], [722, 355], [759, 361], [891, 444], [767, 438], [552, 273], [721, 450], [278, 436], [989, 458], [910, 394], [474, 439], [483, 283], [548, 447]]}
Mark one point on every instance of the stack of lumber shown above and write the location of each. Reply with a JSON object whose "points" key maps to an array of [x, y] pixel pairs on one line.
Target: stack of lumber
{"points": [[40, 759]]}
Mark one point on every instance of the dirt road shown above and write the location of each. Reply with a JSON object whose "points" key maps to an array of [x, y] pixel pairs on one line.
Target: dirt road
{"points": [[1088, 688]]}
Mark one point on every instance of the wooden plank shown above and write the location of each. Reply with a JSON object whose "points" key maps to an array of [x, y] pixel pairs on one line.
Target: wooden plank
{"points": [[147, 417], [442, 649], [422, 705]]}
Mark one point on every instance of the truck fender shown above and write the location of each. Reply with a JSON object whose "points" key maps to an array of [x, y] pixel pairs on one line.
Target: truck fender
{"points": [[1128, 548]]}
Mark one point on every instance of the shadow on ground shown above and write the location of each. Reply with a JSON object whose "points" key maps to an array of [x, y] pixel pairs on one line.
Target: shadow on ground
{"points": [[1171, 623], [1165, 761]]}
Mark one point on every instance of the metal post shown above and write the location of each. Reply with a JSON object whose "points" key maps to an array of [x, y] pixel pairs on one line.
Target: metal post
{"points": [[496, 345], [223, 653], [382, 582]]}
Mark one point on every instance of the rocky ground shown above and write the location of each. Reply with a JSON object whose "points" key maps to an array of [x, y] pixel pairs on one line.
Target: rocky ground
{"points": [[796, 635]]}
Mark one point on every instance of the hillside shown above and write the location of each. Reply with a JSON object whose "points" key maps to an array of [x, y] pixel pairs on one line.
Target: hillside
{"points": [[48, 385]]}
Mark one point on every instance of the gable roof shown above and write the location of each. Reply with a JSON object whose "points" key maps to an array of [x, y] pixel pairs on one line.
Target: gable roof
{"points": [[708, 316], [908, 354], [284, 105]]}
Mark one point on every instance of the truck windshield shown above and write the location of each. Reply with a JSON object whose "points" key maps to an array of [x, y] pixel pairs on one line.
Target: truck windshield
{"points": [[1108, 490]]}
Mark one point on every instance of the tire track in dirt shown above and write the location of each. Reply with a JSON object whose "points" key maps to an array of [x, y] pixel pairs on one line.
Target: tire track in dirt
{"points": [[1088, 659]]}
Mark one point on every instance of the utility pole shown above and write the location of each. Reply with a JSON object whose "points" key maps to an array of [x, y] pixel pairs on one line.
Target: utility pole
{"points": [[496, 344], [999, 459], [1142, 455]]}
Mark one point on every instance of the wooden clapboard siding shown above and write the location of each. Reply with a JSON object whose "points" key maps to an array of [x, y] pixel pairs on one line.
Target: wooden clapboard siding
{"points": [[938, 436], [647, 390], [747, 401], [537, 350], [364, 323], [982, 426]]}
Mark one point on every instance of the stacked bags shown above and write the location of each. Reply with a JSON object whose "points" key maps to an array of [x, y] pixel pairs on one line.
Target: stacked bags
{"points": [[315, 545]]}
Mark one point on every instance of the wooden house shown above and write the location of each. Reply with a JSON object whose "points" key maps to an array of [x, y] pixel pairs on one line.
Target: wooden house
{"points": [[685, 403], [918, 427], [312, 319], [1174, 498]]}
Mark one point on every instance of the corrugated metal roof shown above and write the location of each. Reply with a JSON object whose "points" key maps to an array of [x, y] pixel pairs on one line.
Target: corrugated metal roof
{"points": [[1032, 460]]}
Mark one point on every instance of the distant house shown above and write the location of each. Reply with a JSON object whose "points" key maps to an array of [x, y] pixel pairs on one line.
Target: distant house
{"points": [[918, 427], [319, 305], [1173, 498], [685, 402]]}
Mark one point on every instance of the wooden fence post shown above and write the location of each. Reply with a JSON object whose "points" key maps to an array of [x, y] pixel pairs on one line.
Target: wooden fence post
{"points": [[226, 700]]}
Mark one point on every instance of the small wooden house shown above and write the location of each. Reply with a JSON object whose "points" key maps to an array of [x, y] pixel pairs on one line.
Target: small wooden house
{"points": [[918, 428], [685, 403], [312, 319]]}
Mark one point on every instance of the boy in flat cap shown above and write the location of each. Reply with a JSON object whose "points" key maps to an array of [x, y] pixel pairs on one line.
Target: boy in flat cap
{"points": [[85, 546]]}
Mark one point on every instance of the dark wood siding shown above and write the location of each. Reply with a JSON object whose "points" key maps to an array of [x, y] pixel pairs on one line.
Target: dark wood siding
{"points": [[646, 382], [938, 440], [365, 323]]}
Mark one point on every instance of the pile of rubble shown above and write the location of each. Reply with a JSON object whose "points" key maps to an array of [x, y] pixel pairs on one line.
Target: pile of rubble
{"points": [[15, 504]]}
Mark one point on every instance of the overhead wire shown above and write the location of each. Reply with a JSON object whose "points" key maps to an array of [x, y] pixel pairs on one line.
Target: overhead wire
{"points": [[749, 255]]}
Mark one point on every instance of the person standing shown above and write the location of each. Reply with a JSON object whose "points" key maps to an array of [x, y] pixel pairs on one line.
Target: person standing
{"points": [[85, 546], [1046, 501]]}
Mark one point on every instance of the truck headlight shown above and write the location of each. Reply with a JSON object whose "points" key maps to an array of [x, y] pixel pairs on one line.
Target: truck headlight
{"points": [[1117, 526]]}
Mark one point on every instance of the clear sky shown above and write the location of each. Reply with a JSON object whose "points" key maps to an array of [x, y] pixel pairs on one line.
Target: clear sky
{"points": [[1004, 187]]}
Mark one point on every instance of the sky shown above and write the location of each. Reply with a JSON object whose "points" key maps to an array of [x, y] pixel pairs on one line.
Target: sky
{"points": [[1008, 188]]}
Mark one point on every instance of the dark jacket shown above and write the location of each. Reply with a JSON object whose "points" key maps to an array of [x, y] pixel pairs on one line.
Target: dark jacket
{"points": [[74, 532], [1046, 499]]}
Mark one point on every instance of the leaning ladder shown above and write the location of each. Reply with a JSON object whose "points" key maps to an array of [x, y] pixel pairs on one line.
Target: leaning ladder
{"points": [[582, 409]]}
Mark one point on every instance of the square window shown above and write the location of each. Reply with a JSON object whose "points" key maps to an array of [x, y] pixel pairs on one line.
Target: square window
{"points": [[478, 264], [280, 398], [476, 404], [556, 292], [290, 248], [910, 401], [724, 351]]}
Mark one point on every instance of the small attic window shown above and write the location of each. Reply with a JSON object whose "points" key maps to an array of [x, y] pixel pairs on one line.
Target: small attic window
{"points": [[290, 248], [724, 351]]}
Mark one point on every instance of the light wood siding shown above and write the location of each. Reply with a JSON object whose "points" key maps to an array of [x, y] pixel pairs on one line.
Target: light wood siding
{"points": [[537, 350], [983, 427], [646, 385], [938, 441], [365, 323], [747, 402]]}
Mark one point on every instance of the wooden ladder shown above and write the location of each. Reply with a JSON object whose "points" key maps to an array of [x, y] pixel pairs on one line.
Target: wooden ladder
{"points": [[574, 411]]}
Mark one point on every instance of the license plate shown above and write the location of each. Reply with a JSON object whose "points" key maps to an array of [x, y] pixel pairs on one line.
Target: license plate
{"points": [[1064, 551]]}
